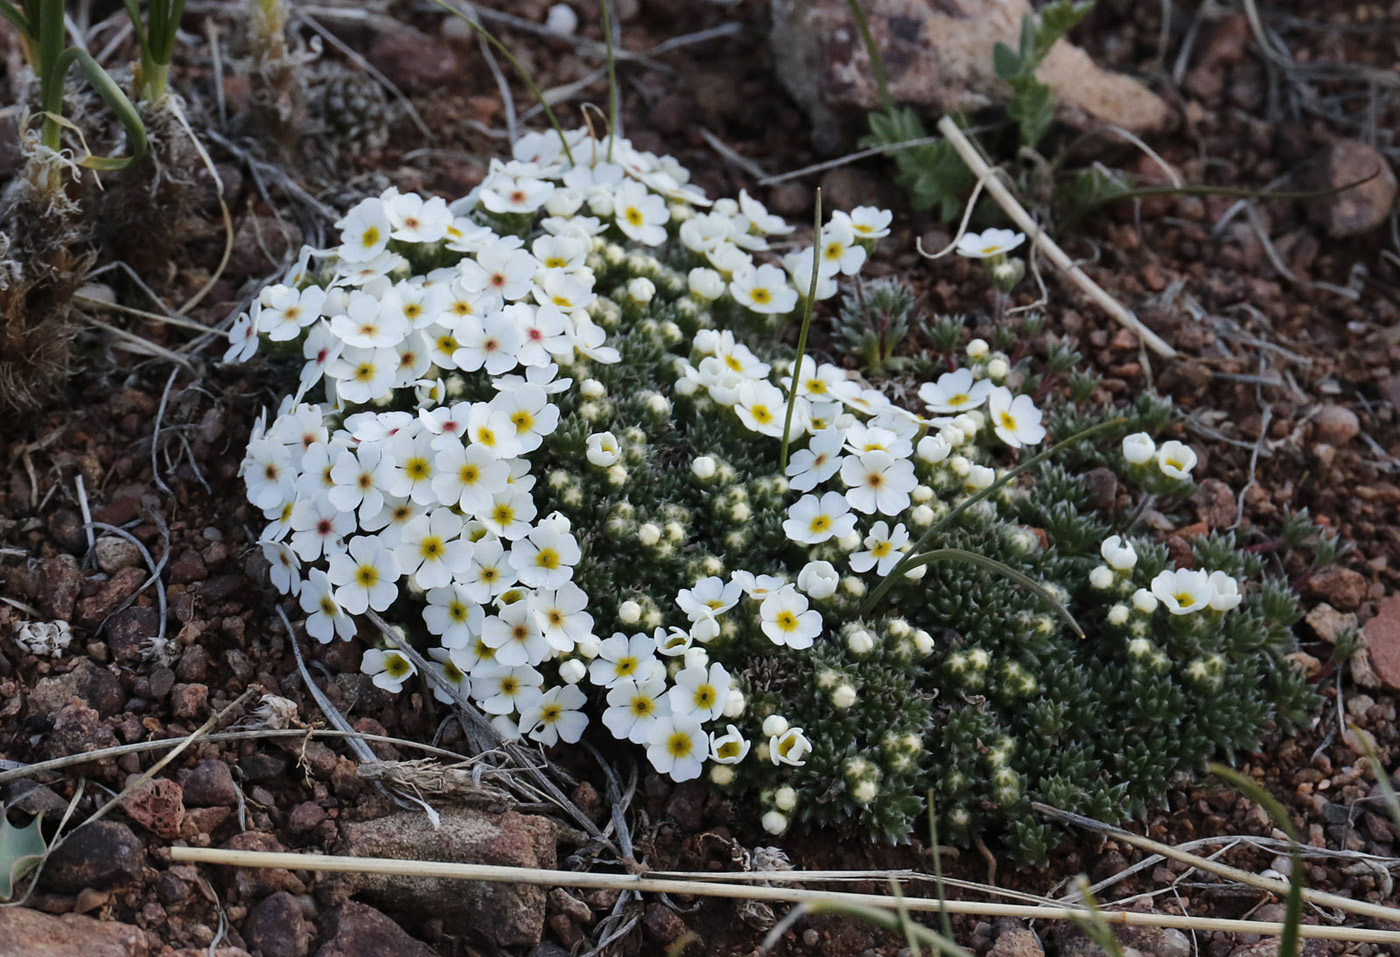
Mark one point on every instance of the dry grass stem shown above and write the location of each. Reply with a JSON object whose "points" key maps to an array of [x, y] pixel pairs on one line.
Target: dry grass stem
{"points": [[649, 884], [1039, 237]]}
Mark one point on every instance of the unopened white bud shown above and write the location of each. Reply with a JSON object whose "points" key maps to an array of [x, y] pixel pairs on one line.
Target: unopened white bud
{"points": [[629, 612], [785, 798], [774, 725], [703, 468], [571, 672]]}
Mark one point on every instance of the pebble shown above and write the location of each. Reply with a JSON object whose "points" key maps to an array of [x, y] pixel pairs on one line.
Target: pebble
{"points": [[76, 729], [1017, 942], [276, 928], [117, 589], [209, 784], [27, 931], [413, 62], [1335, 425], [189, 700], [1327, 622], [159, 807], [305, 817], [661, 924], [60, 581], [96, 687], [188, 568], [1356, 211], [1381, 636], [1340, 587], [100, 855], [358, 930], [129, 631], [114, 554], [66, 528]]}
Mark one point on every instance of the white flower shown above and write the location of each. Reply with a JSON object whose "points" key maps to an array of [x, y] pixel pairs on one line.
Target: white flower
{"points": [[515, 636], [1139, 448], [759, 218], [676, 746], [413, 472], [327, 620], [285, 311], [371, 322], [502, 689], [469, 476], [1224, 592], [1184, 590], [699, 692], [786, 620], [443, 664], [417, 220], [641, 290], [639, 213], [430, 551], [268, 473], [363, 375], [764, 290], [839, 249], [1118, 553], [728, 748], [511, 189], [555, 716], [389, 669], [955, 392], [818, 579], [242, 339], [993, 242], [1176, 460], [877, 481], [284, 567], [510, 513], [364, 232], [546, 557], [365, 575], [360, 479], [883, 549], [819, 461], [563, 616], [870, 222], [789, 747], [634, 707], [762, 407], [703, 284], [622, 658], [813, 520], [709, 598], [1016, 420], [1144, 601], [491, 344], [453, 616], [603, 449]]}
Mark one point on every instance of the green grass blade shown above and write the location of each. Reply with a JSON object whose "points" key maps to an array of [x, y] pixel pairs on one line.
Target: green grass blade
{"points": [[614, 97], [1392, 801], [877, 62], [1095, 926], [945, 920], [883, 588], [525, 77], [807, 308], [1288, 942], [891, 921], [138, 27], [17, 19], [1006, 571], [104, 86]]}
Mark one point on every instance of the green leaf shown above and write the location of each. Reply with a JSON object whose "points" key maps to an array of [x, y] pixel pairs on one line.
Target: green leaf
{"points": [[21, 848], [1293, 917], [1007, 62], [105, 87], [16, 18]]}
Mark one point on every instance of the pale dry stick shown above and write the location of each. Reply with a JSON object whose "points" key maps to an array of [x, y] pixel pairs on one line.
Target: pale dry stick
{"points": [[216, 55], [1320, 898], [507, 98], [86, 510], [479, 723], [968, 207], [14, 770], [155, 434], [747, 166], [540, 877], [178, 111], [1053, 252], [849, 158], [139, 345], [155, 568], [168, 320]]}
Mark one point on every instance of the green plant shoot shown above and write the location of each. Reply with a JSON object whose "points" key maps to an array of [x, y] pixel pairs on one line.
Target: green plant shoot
{"points": [[156, 36]]}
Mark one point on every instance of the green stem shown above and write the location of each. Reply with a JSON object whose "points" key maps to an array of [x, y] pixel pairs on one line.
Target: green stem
{"points": [[965, 504], [877, 62], [614, 97], [806, 327], [529, 81], [52, 34]]}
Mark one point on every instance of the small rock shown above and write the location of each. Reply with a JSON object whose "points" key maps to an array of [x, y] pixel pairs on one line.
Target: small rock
{"points": [[1017, 942], [99, 855], [305, 817], [259, 768], [1335, 425], [61, 580], [189, 700], [76, 729], [661, 924], [1101, 487], [506, 915], [66, 528], [117, 589], [1340, 587], [114, 554], [188, 568], [95, 686], [1327, 622], [1215, 503], [159, 807], [1356, 211], [194, 664], [413, 62], [209, 784], [1381, 636], [358, 930], [253, 883], [129, 632], [26, 931], [276, 928], [687, 804]]}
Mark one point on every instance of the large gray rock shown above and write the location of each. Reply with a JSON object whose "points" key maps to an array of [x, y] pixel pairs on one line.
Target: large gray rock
{"points": [[507, 914], [938, 55]]}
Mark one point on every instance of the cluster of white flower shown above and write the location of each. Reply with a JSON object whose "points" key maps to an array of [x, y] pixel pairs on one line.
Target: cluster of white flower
{"points": [[1174, 459], [437, 338], [1182, 590]]}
